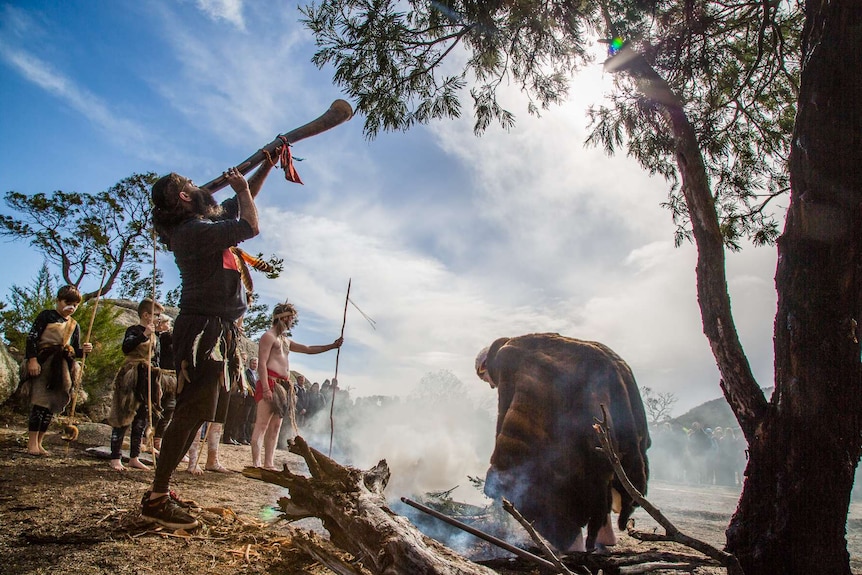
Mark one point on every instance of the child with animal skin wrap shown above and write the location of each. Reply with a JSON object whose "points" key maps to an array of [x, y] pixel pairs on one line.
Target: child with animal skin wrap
{"points": [[49, 371], [136, 386], [275, 395]]}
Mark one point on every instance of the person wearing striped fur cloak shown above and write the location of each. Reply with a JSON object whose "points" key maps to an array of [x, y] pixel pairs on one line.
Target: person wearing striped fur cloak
{"points": [[49, 370], [136, 386]]}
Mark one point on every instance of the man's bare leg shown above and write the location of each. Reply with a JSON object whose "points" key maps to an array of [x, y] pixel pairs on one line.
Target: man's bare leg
{"points": [[40, 437], [269, 441], [213, 440], [261, 424], [194, 454], [607, 536]]}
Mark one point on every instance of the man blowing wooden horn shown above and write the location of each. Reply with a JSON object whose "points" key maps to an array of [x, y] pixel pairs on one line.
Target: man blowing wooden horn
{"points": [[200, 233]]}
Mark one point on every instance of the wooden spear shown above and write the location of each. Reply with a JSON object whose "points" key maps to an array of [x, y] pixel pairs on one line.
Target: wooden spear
{"points": [[335, 378], [151, 433], [70, 432]]}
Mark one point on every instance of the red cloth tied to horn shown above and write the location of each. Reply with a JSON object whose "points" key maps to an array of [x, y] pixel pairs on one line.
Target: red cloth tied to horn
{"points": [[286, 159]]}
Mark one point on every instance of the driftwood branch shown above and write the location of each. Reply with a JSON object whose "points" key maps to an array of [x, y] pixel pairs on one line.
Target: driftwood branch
{"points": [[604, 429], [540, 541], [481, 535], [612, 564], [368, 538], [359, 520], [327, 554]]}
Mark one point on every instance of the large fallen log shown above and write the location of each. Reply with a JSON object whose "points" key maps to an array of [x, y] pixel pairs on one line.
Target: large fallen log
{"points": [[351, 505], [367, 538]]}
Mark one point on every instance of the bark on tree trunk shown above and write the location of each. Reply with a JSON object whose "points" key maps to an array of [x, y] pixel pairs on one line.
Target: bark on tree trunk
{"points": [[805, 443], [793, 511]]}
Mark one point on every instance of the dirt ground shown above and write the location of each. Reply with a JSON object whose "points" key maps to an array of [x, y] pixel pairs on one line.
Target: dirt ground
{"points": [[68, 513]]}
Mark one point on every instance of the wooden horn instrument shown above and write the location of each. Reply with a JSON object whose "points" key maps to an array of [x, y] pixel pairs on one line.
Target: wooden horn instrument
{"points": [[338, 113]]}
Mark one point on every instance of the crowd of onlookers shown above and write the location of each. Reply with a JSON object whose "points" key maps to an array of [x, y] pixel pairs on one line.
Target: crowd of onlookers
{"points": [[698, 454], [312, 401]]}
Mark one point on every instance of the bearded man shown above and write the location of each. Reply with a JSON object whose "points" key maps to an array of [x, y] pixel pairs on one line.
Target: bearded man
{"points": [[275, 394], [200, 233]]}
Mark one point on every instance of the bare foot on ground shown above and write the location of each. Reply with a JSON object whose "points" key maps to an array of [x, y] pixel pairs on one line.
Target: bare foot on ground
{"points": [[117, 465], [137, 463]]}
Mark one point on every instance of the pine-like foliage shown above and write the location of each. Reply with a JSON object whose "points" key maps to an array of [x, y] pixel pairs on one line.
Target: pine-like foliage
{"points": [[733, 66]]}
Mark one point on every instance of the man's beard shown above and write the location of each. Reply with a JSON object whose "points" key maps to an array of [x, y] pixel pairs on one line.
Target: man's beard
{"points": [[284, 327], [204, 204]]}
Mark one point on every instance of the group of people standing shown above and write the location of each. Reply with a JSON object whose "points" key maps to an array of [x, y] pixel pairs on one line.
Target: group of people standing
{"points": [[203, 235], [698, 454]]}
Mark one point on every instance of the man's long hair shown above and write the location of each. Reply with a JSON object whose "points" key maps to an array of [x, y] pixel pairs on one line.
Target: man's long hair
{"points": [[168, 210], [285, 316]]}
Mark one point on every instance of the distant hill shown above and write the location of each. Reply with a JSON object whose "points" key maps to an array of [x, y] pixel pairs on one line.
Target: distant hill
{"points": [[714, 413]]}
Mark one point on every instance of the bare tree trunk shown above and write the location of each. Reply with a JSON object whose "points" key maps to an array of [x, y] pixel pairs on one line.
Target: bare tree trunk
{"points": [[740, 388], [793, 512]]}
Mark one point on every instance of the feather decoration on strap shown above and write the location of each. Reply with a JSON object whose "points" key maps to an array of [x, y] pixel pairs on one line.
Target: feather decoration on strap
{"points": [[255, 262], [245, 259], [242, 267]]}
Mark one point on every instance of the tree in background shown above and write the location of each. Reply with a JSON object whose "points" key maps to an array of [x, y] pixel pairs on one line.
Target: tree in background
{"points": [[26, 303], [135, 286], [83, 234], [257, 320], [658, 406], [440, 387], [735, 104]]}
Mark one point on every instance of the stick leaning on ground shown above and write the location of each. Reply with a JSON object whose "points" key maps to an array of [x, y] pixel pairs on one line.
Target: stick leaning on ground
{"points": [[604, 429], [70, 430]]}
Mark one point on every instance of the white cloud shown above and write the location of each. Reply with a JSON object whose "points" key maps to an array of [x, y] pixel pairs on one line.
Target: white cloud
{"points": [[228, 10], [450, 240], [64, 88]]}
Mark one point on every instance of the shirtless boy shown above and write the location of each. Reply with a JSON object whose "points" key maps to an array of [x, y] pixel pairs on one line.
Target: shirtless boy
{"points": [[274, 394]]}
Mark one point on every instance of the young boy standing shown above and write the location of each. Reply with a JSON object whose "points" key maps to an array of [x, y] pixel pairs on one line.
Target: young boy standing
{"points": [[136, 385], [50, 370]]}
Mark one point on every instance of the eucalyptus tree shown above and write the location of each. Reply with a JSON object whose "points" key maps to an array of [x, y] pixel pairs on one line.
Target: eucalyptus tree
{"points": [[735, 104], [86, 234]]}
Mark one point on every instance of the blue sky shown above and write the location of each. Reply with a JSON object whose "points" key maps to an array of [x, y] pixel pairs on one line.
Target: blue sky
{"points": [[451, 240]]}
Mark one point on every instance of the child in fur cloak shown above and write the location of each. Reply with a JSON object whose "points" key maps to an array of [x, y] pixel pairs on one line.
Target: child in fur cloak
{"points": [[50, 371], [132, 394]]}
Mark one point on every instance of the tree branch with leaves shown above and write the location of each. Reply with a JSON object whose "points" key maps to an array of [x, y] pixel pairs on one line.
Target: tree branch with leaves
{"points": [[84, 234]]}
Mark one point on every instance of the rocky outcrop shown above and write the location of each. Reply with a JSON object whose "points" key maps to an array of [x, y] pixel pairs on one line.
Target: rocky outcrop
{"points": [[8, 373]]}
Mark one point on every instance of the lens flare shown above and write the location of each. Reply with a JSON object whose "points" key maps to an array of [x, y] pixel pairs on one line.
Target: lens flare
{"points": [[268, 514], [615, 46]]}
